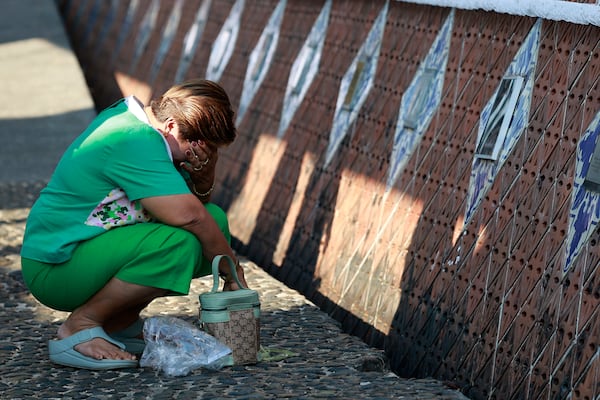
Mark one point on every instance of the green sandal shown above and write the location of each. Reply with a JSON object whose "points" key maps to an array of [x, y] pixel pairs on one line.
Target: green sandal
{"points": [[62, 351], [130, 337]]}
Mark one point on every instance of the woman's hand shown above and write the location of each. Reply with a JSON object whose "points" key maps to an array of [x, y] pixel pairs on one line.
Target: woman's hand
{"points": [[230, 283], [201, 160]]}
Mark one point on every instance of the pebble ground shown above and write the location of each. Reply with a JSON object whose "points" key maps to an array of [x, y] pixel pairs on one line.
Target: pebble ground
{"points": [[328, 364]]}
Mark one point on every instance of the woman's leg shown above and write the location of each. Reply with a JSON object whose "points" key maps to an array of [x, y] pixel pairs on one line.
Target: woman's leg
{"points": [[204, 266], [153, 255], [106, 305], [112, 277]]}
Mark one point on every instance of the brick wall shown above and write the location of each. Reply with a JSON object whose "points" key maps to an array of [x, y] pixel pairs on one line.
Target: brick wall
{"points": [[485, 305]]}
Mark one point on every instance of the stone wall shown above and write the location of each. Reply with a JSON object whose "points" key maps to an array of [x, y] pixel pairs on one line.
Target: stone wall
{"points": [[474, 270]]}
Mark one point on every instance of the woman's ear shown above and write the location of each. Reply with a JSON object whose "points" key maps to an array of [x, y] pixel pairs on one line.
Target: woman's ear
{"points": [[170, 125]]}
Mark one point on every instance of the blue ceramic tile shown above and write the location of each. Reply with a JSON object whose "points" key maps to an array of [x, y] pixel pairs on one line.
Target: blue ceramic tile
{"points": [[191, 40], [584, 213], [125, 28], [304, 69], [107, 23], [484, 171], [420, 102], [146, 28], [356, 85], [260, 59], [167, 38], [222, 48]]}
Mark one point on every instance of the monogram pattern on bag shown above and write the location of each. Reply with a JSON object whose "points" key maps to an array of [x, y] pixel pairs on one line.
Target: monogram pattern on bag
{"points": [[241, 333]]}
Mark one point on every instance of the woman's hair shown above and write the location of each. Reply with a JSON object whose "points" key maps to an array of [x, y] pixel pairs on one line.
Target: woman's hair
{"points": [[201, 109]]}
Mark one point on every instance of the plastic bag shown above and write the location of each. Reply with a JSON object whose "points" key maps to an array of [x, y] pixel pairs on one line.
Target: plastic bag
{"points": [[177, 347]]}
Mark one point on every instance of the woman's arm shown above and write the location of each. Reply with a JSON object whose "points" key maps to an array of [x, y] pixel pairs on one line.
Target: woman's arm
{"points": [[187, 212]]}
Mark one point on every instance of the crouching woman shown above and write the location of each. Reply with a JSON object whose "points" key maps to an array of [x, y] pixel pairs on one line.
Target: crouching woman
{"points": [[126, 218]]}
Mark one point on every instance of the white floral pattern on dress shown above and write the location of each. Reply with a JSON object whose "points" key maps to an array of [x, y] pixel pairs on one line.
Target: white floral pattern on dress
{"points": [[117, 210]]}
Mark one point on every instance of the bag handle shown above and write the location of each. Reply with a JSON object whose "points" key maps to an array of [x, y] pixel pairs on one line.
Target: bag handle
{"points": [[215, 272]]}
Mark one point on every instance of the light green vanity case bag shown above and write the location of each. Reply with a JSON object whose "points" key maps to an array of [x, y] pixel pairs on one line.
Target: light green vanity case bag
{"points": [[233, 317]]}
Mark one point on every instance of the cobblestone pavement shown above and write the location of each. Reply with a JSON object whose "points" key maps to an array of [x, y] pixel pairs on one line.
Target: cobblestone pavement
{"points": [[328, 364]]}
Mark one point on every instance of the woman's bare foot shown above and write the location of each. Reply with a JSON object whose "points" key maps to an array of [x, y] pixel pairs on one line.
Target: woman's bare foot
{"points": [[115, 297], [96, 348]]}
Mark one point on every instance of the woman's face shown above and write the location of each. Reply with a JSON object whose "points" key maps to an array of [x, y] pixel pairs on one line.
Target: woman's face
{"points": [[177, 143], [178, 147]]}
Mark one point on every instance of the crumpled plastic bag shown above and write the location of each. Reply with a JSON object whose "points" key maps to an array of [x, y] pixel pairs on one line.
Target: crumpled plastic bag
{"points": [[177, 347]]}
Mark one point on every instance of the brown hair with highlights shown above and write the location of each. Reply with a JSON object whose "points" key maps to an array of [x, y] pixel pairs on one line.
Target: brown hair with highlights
{"points": [[201, 109]]}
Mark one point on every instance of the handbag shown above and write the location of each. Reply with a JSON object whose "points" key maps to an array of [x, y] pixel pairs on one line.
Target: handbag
{"points": [[232, 317]]}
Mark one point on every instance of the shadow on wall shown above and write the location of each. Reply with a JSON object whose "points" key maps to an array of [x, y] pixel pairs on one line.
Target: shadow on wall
{"points": [[292, 225]]}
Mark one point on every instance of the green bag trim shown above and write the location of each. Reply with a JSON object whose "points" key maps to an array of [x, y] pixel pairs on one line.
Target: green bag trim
{"points": [[216, 306], [217, 316], [215, 272]]}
